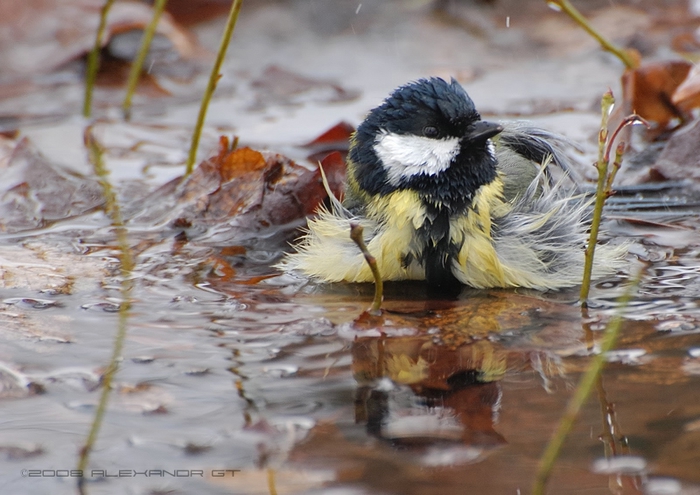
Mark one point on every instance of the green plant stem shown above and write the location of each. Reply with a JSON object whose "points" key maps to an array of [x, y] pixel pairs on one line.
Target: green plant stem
{"points": [[93, 61], [617, 163], [356, 235], [213, 80], [606, 176], [602, 166], [271, 485], [583, 390], [137, 65], [605, 44], [95, 152]]}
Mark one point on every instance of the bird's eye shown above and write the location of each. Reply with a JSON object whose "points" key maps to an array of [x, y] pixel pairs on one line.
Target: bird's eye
{"points": [[430, 131]]}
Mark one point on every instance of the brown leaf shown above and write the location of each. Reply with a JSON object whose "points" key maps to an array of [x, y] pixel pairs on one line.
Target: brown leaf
{"points": [[334, 168], [239, 162], [189, 12], [648, 91], [41, 35], [114, 73], [337, 138], [233, 251], [243, 191], [337, 135], [687, 95]]}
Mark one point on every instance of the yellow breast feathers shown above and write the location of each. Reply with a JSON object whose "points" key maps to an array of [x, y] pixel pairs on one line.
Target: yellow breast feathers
{"points": [[391, 222]]}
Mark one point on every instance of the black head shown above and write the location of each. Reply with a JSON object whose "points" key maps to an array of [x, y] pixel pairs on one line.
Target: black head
{"points": [[427, 136]]}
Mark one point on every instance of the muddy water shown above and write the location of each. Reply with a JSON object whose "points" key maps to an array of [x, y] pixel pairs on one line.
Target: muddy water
{"points": [[232, 384]]}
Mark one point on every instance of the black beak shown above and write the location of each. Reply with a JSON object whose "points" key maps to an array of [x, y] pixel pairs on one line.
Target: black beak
{"points": [[482, 130]]}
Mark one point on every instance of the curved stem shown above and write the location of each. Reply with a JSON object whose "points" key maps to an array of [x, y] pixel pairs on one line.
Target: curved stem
{"points": [[605, 44], [137, 65], [93, 61], [585, 387], [95, 152], [213, 79], [602, 165], [356, 235]]}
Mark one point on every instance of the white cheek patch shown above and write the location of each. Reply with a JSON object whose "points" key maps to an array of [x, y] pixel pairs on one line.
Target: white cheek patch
{"points": [[406, 155], [491, 149]]}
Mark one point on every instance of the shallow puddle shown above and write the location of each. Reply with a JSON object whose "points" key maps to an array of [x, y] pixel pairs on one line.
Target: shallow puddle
{"points": [[275, 388], [235, 379]]}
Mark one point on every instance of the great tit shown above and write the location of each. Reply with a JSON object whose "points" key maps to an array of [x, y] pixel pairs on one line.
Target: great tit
{"points": [[446, 197]]}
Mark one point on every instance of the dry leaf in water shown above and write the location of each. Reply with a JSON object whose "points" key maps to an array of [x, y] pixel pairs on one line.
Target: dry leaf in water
{"points": [[242, 191]]}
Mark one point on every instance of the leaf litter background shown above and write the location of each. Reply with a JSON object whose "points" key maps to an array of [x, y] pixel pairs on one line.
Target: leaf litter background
{"points": [[228, 365]]}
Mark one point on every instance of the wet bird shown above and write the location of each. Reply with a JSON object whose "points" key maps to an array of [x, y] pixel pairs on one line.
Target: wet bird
{"points": [[446, 197]]}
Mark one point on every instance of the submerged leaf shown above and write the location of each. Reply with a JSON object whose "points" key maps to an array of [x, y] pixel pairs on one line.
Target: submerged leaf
{"points": [[36, 191]]}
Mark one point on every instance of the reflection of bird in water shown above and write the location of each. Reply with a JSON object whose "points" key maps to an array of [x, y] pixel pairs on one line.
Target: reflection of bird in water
{"points": [[446, 197], [450, 400]]}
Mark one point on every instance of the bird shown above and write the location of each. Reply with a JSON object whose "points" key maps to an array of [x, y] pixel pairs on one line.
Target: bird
{"points": [[446, 197]]}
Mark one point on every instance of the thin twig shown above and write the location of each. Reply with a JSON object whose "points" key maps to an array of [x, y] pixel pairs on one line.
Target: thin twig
{"points": [[605, 44], [619, 151], [137, 65], [606, 105], [213, 80], [95, 152], [586, 384], [271, 485], [606, 175], [356, 231], [93, 61], [629, 120]]}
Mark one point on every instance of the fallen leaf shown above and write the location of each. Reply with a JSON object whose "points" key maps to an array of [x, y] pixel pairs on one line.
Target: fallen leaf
{"points": [[36, 192], [337, 138], [241, 192], [648, 91], [336, 135], [233, 251], [114, 73], [189, 12], [280, 86], [334, 167], [41, 35], [239, 162], [687, 95]]}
